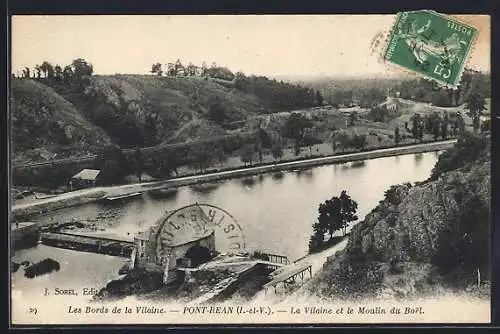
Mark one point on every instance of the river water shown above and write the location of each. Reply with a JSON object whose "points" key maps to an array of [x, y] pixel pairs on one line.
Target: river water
{"points": [[275, 214]]}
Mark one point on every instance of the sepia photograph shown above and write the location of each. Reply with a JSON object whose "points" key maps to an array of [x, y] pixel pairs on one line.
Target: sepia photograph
{"points": [[250, 169]]}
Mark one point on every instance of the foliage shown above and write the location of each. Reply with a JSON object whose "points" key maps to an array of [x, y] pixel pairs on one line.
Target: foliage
{"points": [[397, 136], [380, 114], [464, 245], [428, 91], [475, 104], [248, 154], [468, 148], [358, 141], [334, 214], [277, 95], [277, 151], [114, 165], [341, 140], [264, 138], [372, 97]]}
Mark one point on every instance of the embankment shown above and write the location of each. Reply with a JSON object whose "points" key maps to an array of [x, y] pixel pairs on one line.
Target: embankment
{"points": [[26, 211]]}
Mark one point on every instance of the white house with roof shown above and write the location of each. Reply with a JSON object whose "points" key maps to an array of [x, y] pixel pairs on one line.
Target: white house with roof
{"points": [[86, 178]]}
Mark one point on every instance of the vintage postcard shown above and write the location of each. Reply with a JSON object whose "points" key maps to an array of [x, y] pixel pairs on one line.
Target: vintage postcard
{"points": [[250, 169]]}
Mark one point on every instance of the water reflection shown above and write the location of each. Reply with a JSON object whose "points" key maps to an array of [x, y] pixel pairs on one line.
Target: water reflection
{"points": [[418, 158]]}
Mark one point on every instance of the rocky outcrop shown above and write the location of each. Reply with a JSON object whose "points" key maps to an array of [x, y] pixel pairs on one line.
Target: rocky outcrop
{"points": [[420, 239], [136, 281]]}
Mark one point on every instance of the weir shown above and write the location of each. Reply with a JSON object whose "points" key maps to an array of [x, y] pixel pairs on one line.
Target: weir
{"points": [[87, 243]]}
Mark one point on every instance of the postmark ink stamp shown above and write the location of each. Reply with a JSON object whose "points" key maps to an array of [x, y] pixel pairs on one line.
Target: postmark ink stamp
{"points": [[432, 45]]}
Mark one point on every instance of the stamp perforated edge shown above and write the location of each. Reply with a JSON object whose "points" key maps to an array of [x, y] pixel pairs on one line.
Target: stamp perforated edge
{"points": [[415, 74]]}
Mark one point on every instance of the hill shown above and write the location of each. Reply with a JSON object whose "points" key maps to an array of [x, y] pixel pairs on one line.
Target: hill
{"points": [[44, 124], [60, 120], [422, 239]]}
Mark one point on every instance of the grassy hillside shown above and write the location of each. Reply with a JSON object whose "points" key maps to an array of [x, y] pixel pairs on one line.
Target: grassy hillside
{"points": [[59, 120], [44, 124], [149, 109]]}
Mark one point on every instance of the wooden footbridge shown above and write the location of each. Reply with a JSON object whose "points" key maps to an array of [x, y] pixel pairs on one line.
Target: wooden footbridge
{"points": [[289, 277]]}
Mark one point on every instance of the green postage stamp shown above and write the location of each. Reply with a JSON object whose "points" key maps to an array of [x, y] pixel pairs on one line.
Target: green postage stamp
{"points": [[433, 45]]}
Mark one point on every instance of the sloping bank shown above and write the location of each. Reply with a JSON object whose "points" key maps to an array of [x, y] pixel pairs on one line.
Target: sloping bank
{"points": [[67, 200]]}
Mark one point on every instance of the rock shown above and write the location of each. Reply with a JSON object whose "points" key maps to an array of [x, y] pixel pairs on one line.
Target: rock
{"points": [[43, 267]]}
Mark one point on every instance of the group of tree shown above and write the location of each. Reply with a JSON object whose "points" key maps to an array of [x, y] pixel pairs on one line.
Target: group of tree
{"points": [[278, 95], [380, 113], [429, 91], [365, 98], [342, 140], [296, 127], [470, 147], [177, 69], [78, 70], [335, 214], [475, 104]]}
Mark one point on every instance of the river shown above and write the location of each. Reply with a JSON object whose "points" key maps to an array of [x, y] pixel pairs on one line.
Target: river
{"points": [[275, 214]]}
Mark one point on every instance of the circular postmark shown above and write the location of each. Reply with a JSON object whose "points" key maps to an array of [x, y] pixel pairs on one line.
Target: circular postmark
{"points": [[195, 222]]}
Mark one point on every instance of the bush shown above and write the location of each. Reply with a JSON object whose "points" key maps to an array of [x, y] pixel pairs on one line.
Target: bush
{"points": [[469, 148]]}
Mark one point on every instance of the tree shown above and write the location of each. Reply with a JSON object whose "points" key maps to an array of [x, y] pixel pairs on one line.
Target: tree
{"points": [[47, 69], [319, 98], [295, 128], [38, 70], [67, 74], [58, 72], [353, 116], [417, 129], [179, 68], [372, 97], [156, 69], [150, 130], [139, 164], [436, 130], [397, 136], [220, 155], [296, 147], [201, 157], [217, 110], [296, 125], [342, 140], [347, 211], [81, 69], [191, 70], [113, 164], [204, 69], [26, 72], [264, 139], [329, 218], [171, 71], [318, 237], [359, 141], [277, 152], [247, 154], [444, 129], [476, 104]]}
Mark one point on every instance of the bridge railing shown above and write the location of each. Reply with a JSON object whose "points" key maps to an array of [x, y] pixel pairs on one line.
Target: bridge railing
{"points": [[281, 259]]}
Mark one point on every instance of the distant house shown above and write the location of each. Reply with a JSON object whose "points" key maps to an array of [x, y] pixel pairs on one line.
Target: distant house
{"points": [[85, 179]]}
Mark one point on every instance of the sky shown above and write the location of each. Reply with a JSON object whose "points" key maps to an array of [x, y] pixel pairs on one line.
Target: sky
{"points": [[283, 45]]}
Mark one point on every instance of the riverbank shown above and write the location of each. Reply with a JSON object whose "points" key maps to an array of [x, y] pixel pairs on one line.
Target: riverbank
{"points": [[23, 211]]}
